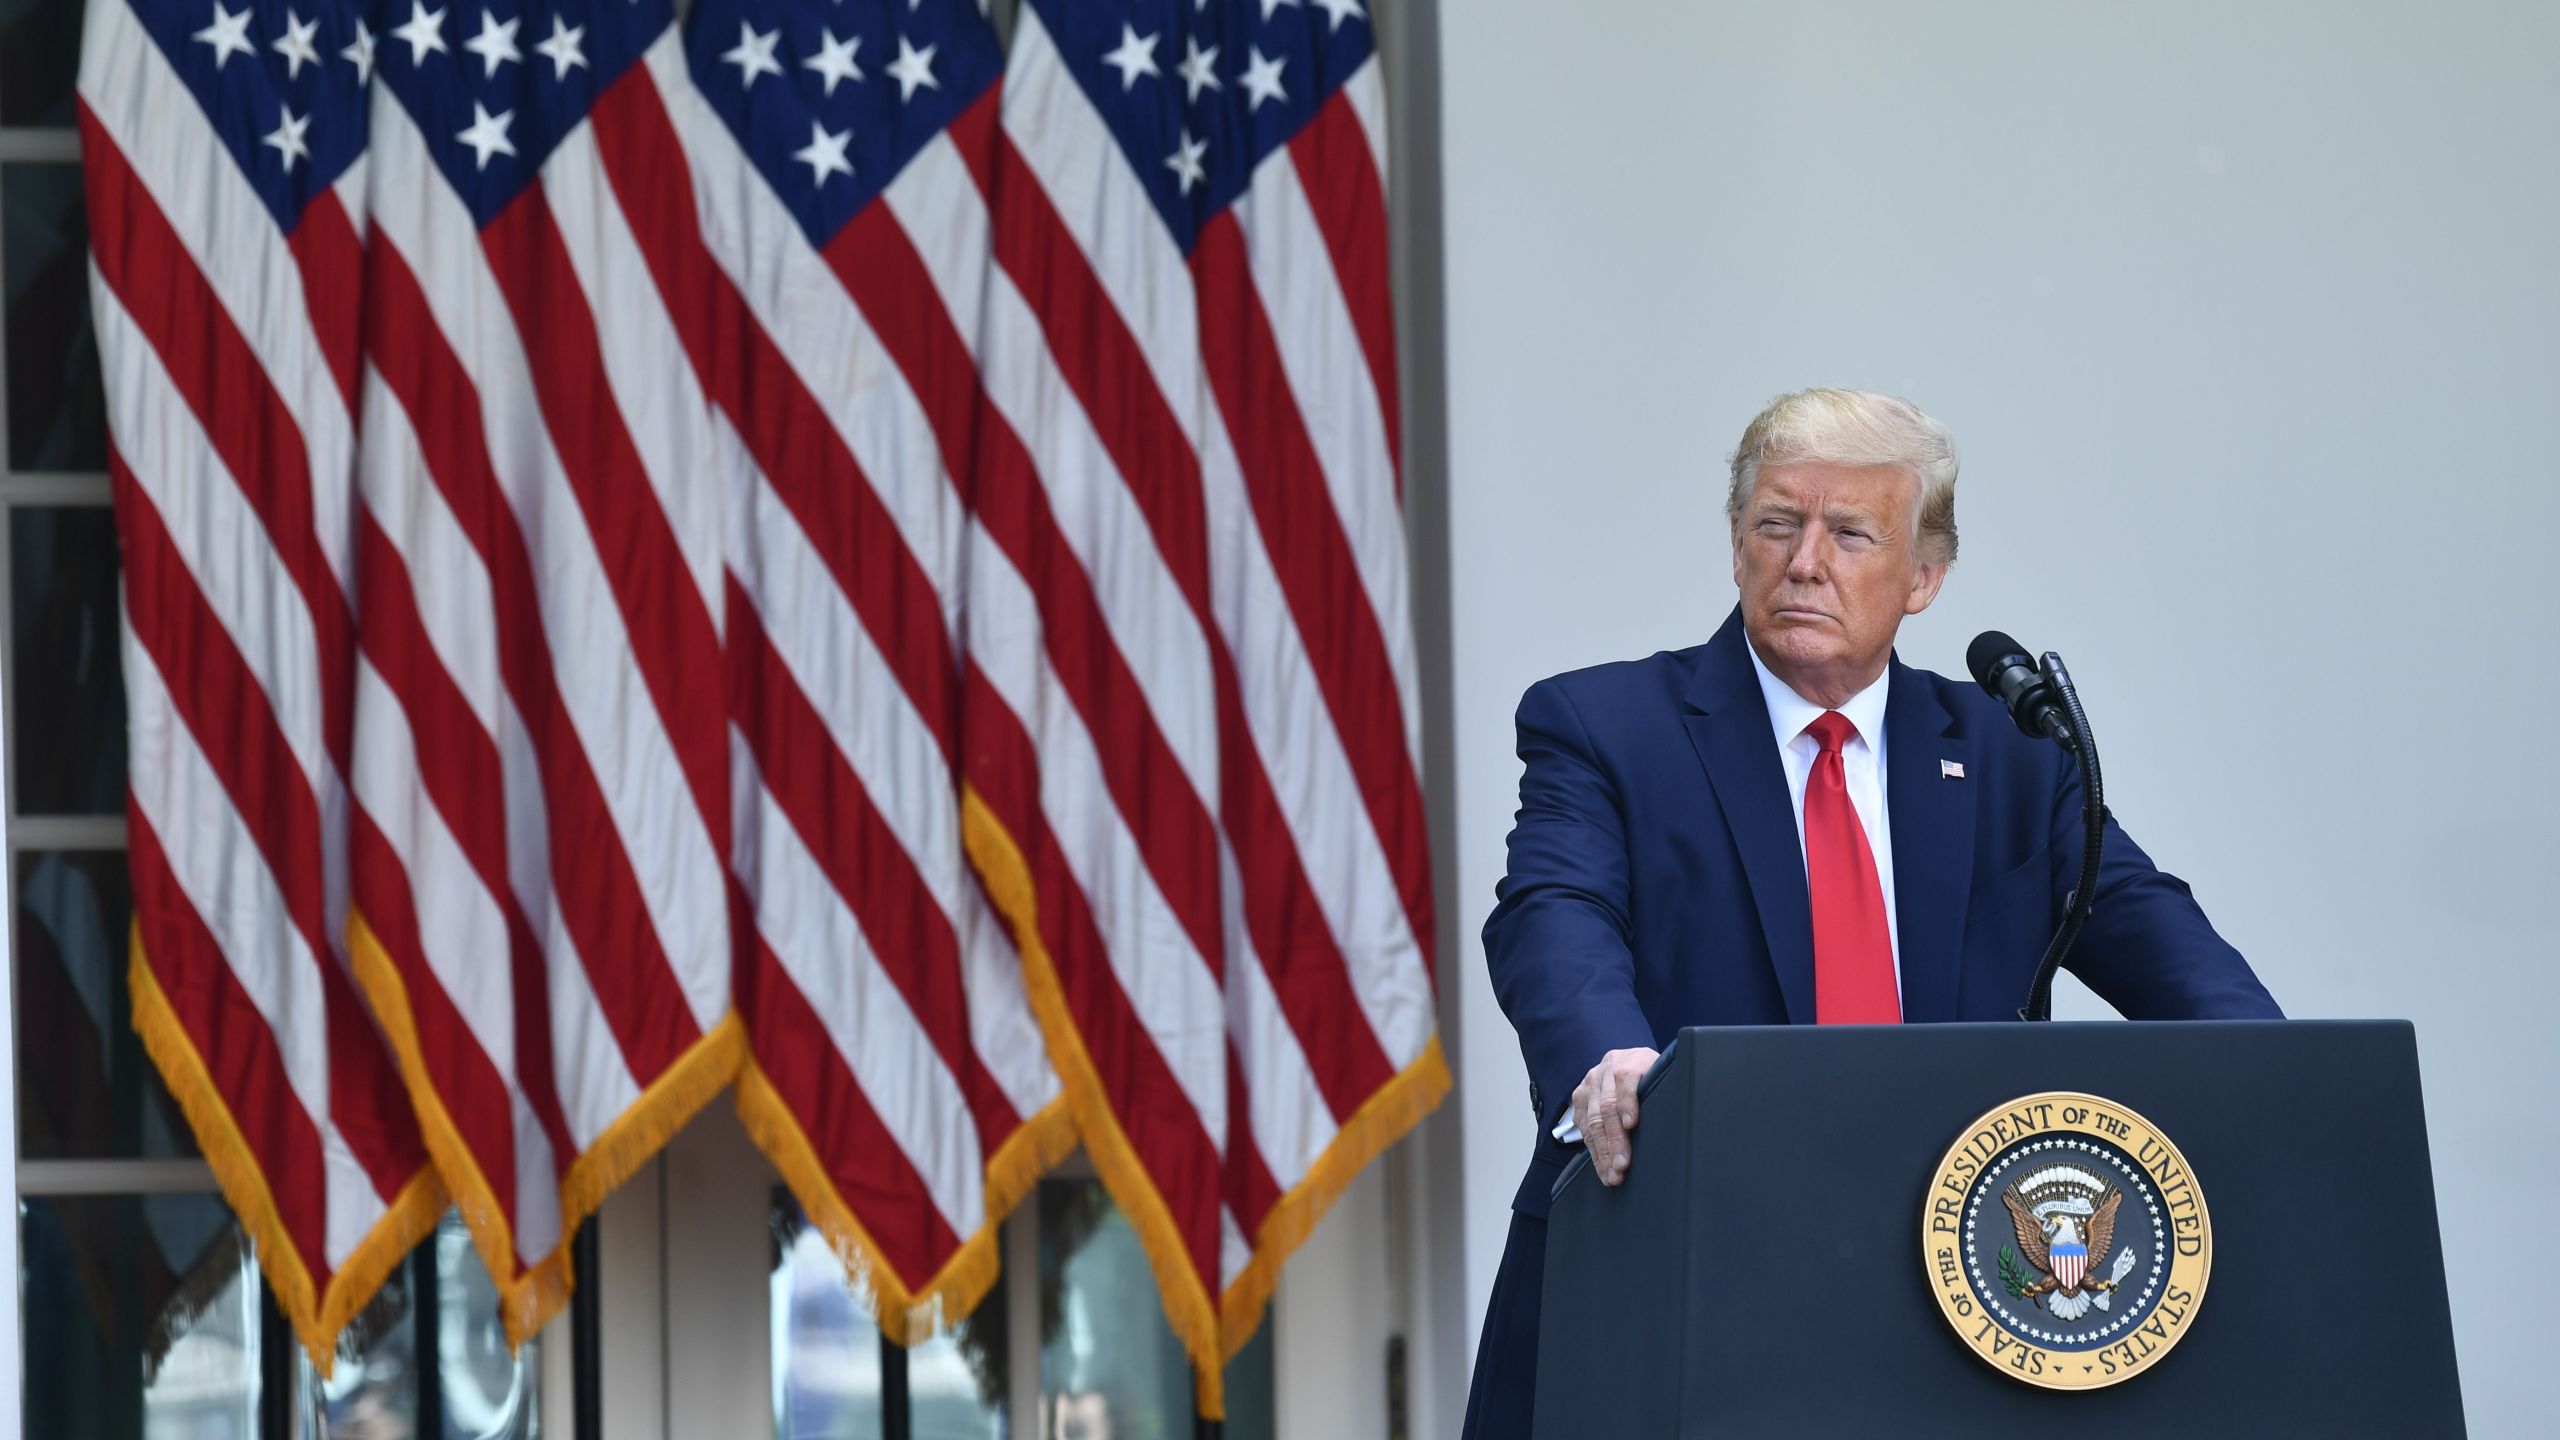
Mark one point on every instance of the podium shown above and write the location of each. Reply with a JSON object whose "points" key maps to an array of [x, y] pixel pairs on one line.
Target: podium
{"points": [[1832, 1230]]}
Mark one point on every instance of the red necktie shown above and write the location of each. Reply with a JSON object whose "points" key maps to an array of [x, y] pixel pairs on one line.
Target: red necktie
{"points": [[1852, 948]]}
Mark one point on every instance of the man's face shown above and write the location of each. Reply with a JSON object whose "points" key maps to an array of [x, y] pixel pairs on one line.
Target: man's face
{"points": [[1828, 561]]}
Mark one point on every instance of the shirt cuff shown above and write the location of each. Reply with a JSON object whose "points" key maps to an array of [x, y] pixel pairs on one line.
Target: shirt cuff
{"points": [[1567, 1131]]}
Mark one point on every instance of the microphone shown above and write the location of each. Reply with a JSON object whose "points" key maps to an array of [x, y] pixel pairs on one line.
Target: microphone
{"points": [[2041, 699], [2000, 665]]}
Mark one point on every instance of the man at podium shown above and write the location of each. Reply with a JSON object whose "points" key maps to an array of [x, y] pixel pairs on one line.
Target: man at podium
{"points": [[1786, 825]]}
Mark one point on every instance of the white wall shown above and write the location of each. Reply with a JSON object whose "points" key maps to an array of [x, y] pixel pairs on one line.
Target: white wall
{"points": [[2247, 317]]}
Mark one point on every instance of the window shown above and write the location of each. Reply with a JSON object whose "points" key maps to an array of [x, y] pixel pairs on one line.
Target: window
{"points": [[464, 1387], [836, 1378], [1110, 1367], [1098, 1360], [142, 1309], [143, 1312], [142, 1317]]}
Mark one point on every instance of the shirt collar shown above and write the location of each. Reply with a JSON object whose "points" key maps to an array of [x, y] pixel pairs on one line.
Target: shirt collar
{"points": [[1790, 712]]}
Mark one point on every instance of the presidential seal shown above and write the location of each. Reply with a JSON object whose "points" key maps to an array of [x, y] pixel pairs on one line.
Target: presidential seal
{"points": [[2066, 1241]]}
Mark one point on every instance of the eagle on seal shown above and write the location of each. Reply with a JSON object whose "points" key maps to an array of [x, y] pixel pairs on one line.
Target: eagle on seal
{"points": [[2066, 1250]]}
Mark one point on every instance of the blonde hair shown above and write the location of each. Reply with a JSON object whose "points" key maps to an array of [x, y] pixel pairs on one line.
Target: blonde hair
{"points": [[1856, 427]]}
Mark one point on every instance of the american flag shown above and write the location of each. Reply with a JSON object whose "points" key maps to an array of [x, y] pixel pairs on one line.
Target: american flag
{"points": [[542, 762], [1191, 707], [225, 158], [900, 533], [898, 1079]]}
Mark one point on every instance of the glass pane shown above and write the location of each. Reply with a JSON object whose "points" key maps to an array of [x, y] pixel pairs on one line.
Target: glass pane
{"points": [[1110, 1367], [57, 411], [482, 1393], [1249, 1388], [39, 59], [372, 1390], [143, 1319], [86, 1089], [69, 701], [956, 1381], [827, 1352], [489, 1394]]}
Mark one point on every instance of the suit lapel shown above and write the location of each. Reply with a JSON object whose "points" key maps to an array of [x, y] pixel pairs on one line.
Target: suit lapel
{"points": [[1932, 822], [1728, 723]]}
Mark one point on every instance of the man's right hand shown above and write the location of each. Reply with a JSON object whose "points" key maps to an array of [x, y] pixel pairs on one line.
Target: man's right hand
{"points": [[1604, 1105]]}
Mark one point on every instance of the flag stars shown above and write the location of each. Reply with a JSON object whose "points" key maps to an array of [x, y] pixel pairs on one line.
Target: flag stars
{"points": [[495, 44], [487, 134], [423, 32], [753, 54], [562, 48], [228, 34], [1261, 78], [1268, 6], [834, 60], [296, 47], [824, 154], [359, 53], [913, 69], [1135, 57], [1341, 10], [1185, 164], [1195, 71], [287, 138]]}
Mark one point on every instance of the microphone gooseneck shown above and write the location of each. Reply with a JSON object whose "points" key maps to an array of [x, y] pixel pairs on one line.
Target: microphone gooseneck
{"points": [[2093, 821]]}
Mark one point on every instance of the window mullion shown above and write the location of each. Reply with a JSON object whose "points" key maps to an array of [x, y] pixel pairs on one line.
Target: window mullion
{"points": [[12, 1345], [56, 487], [586, 1328], [39, 145], [67, 832], [176, 1176], [276, 1370], [897, 1407], [426, 1331], [1021, 1281]]}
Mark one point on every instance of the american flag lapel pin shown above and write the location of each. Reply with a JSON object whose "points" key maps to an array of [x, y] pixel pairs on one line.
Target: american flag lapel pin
{"points": [[1950, 769]]}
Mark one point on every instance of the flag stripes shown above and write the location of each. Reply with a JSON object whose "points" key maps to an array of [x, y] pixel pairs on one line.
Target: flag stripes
{"points": [[220, 304], [693, 556], [1222, 364], [844, 553], [585, 621]]}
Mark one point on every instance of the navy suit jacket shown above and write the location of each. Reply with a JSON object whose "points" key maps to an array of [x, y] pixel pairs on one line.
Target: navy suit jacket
{"points": [[1656, 880]]}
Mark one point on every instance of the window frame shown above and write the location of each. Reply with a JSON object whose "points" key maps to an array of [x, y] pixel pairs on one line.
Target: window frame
{"points": [[45, 1178]]}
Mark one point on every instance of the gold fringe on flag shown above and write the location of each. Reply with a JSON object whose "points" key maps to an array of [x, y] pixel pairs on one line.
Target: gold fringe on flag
{"points": [[1382, 1120], [905, 1316], [1211, 1333], [316, 1317], [528, 1302], [1187, 1307]]}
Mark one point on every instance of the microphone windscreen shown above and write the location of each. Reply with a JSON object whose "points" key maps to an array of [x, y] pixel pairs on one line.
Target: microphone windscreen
{"points": [[1984, 656]]}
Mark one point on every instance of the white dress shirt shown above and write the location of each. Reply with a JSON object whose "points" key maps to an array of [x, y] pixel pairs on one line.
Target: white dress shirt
{"points": [[1862, 758]]}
